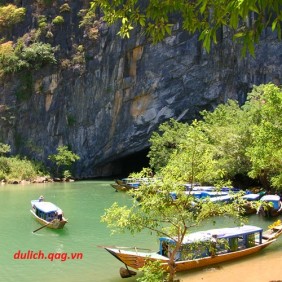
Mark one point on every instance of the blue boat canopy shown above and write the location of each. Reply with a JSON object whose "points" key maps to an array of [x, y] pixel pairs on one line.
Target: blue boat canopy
{"points": [[251, 197], [221, 234], [45, 207]]}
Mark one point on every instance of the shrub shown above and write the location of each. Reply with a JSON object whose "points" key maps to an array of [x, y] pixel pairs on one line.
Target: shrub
{"points": [[21, 57], [65, 8], [10, 15], [58, 20], [14, 168], [4, 149], [38, 54]]}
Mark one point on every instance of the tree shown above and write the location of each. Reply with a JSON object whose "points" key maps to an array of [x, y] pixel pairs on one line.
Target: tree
{"points": [[228, 130], [159, 213], [246, 19], [165, 141], [191, 158], [265, 151], [63, 158]]}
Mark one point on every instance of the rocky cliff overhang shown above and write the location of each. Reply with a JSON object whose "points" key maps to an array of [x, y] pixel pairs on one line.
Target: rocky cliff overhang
{"points": [[106, 106]]}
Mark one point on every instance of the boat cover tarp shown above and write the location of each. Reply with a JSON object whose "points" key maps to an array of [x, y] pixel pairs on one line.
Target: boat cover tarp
{"points": [[221, 233], [45, 207]]}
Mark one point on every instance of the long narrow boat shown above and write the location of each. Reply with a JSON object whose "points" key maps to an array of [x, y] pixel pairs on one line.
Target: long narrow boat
{"points": [[238, 242], [46, 213], [126, 184]]}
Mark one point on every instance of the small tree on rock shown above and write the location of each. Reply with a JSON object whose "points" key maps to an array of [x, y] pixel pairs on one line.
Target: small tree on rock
{"points": [[63, 158]]}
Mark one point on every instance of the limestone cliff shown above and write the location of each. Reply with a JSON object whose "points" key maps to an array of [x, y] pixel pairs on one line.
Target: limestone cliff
{"points": [[105, 95]]}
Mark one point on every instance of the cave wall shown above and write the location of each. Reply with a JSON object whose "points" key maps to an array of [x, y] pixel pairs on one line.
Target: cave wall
{"points": [[107, 106]]}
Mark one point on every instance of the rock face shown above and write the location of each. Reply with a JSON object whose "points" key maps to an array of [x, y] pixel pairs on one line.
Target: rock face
{"points": [[106, 104]]}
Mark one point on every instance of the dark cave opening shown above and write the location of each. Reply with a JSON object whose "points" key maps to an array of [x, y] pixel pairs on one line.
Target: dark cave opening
{"points": [[131, 163]]}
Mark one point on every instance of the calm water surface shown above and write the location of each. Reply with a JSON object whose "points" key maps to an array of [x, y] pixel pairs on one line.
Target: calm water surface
{"points": [[83, 204]]}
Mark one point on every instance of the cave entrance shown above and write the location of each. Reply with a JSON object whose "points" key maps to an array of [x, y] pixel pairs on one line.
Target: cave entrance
{"points": [[131, 163]]}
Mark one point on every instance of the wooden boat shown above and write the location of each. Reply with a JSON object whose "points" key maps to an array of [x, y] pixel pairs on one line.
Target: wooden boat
{"points": [[46, 213], [273, 209], [239, 242], [251, 199], [126, 184]]}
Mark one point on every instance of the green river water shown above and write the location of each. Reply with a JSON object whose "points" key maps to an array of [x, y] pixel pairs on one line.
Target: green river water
{"points": [[83, 203]]}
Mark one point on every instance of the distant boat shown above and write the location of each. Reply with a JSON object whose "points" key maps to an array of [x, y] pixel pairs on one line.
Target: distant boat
{"points": [[239, 242], [275, 207], [46, 213], [251, 199], [126, 184]]}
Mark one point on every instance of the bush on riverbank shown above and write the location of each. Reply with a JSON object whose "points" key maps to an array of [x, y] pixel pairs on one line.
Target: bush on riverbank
{"points": [[15, 169]]}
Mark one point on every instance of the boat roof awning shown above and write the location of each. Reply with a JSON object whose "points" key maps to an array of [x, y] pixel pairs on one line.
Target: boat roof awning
{"points": [[221, 233], [251, 197], [270, 198], [46, 207]]}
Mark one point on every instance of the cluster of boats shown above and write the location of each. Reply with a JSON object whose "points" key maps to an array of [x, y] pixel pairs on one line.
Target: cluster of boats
{"points": [[260, 203]]}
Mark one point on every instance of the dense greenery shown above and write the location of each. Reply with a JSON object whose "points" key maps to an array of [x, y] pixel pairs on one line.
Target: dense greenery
{"points": [[19, 57], [10, 15], [15, 169], [229, 142], [245, 19]]}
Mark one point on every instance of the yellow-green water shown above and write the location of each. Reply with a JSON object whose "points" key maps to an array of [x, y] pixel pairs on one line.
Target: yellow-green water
{"points": [[83, 203]]}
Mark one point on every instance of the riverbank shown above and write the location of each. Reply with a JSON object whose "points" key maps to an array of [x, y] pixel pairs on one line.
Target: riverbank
{"points": [[265, 268]]}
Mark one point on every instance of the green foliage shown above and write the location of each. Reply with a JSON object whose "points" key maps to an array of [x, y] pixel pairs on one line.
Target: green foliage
{"points": [[265, 151], [245, 19], [4, 149], [42, 22], [17, 169], [231, 141], [58, 20], [65, 8], [228, 131], [22, 57], [64, 157], [152, 272], [10, 15], [67, 174], [165, 142]]}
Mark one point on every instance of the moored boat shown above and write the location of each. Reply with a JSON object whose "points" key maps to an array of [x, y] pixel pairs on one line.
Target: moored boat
{"points": [[48, 214], [251, 202], [126, 184], [273, 206], [230, 244]]}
